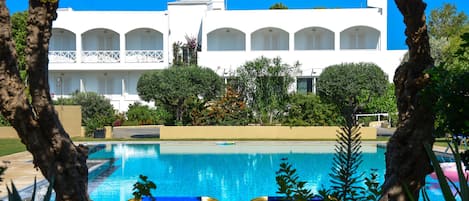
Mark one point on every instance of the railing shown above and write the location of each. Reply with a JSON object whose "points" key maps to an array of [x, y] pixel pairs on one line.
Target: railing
{"points": [[111, 56], [144, 56], [62, 56]]}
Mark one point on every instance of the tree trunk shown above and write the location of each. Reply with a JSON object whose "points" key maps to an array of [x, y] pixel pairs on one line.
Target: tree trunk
{"points": [[32, 114], [407, 163]]}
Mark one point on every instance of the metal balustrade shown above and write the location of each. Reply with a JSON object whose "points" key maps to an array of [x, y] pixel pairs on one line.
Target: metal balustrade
{"points": [[100, 56], [144, 56], [62, 56]]}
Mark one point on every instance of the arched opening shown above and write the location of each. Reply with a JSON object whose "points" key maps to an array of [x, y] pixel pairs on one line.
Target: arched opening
{"points": [[360, 37], [269, 38], [100, 46], [144, 45], [62, 46], [226, 39], [314, 38]]}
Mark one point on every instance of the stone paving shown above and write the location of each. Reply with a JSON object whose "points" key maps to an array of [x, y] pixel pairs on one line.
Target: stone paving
{"points": [[20, 170]]}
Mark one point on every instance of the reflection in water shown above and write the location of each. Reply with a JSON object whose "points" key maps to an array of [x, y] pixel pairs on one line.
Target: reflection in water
{"points": [[228, 173]]}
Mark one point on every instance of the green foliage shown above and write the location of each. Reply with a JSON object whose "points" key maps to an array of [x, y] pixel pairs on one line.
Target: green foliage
{"points": [[384, 103], [445, 25], [346, 161], [373, 189], [446, 21], [143, 187], [94, 123], [174, 88], [278, 5], [144, 115], [13, 194], [20, 32], [449, 84], [309, 110], [92, 105], [185, 54], [288, 183], [228, 110], [264, 84], [351, 84], [96, 110]]}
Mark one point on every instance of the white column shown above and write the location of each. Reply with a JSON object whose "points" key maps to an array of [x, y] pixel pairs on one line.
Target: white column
{"points": [[82, 85], [122, 47], [291, 42], [314, 85], [337, 41], [123, 86], [79, 47], [248, 42]]}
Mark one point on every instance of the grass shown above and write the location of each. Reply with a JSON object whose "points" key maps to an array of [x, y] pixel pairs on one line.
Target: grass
{"points": [[11, 146]]}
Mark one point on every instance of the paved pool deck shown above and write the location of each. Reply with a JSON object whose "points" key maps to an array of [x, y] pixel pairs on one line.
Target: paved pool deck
{"points": [[22, 172]]}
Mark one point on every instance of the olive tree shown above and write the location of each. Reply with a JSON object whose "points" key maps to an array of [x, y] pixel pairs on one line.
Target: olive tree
{"points": [[175, 87], [30, 110], [264, 84], [407, 163]]}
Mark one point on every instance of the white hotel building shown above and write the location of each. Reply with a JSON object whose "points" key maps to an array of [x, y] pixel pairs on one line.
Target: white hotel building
{"points": [[107, 51]]}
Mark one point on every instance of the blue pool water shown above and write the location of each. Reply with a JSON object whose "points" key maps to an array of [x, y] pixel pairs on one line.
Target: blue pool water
{"points": [[237, 172]]}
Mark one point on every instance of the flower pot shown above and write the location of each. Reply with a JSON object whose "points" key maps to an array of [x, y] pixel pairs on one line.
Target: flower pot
{"points": [[99, 133]]}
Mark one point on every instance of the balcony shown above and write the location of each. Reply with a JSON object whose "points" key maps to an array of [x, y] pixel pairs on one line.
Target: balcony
{"points": [[144, 56], [142, 46], [62, 56], [100, 56]]}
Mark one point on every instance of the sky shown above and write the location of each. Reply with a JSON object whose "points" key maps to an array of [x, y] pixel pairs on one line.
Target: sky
{"points": [[396, 26]]}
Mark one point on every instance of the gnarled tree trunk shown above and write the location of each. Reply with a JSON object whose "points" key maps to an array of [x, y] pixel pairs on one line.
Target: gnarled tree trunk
{"points": [[34, 117], [407, 163]]}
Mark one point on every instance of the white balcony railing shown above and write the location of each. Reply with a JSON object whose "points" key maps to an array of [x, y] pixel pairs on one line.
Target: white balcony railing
{"points": [[100, 56], [144, 56], [62, 56]]}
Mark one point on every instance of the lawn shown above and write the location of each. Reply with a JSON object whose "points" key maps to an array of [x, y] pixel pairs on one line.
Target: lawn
{"points": [[11, 146]]}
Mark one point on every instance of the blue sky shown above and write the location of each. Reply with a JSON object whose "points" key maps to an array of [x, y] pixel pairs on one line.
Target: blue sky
{"points": [[395, 25]]}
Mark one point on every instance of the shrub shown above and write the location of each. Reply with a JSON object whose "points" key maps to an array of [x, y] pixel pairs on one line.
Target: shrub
{"points": [[229, 110], [351, 84], [92, 105], [309, 110], [144, 115]]}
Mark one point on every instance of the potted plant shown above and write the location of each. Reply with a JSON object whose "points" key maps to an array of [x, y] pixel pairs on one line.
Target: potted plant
{"points": [[95, 127], [142, 189]]}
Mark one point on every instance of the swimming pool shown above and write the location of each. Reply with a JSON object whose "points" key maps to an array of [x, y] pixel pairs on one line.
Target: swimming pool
{"points": [[238, 172]]}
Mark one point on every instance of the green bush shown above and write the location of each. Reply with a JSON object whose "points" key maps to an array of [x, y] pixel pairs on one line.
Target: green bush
{"points": [[309, 110], [92, 105], [96, 110], [95, 123], [144, 115]]}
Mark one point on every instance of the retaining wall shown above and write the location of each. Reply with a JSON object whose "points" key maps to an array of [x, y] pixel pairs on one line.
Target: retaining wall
{"points": [[256, 132], [69, 115]]}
